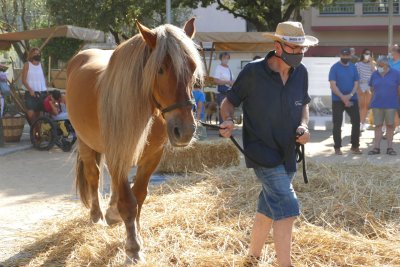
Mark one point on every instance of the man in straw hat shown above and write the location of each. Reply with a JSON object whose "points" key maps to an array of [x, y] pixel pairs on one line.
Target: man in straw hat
{"points": [[274, 93]]}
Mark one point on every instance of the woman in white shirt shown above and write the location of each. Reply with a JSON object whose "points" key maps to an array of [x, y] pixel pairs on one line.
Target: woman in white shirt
{"points": [[224, 79], [35, 83], [366, 66]]}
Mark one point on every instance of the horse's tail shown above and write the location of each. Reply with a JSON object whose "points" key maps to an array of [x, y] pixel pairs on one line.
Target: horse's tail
{"points": [[81, 184]]}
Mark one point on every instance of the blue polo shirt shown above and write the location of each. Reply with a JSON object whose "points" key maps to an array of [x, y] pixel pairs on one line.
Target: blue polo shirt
{"points": [[385, 89], [344, 76], [394, 65], [271, 112]]}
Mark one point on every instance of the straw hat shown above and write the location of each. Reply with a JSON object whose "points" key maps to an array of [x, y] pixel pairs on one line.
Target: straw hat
{"points": [[292, 32]]}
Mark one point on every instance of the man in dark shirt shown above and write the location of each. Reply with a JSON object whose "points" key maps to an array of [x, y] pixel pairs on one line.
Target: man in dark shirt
{"points": [[274, 93], [344, 82]]}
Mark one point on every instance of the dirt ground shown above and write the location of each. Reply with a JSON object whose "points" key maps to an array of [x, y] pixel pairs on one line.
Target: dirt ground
{"points": [[38, 185]]}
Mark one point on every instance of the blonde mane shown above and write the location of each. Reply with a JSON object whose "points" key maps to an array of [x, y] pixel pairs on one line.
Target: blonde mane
{"points": [[125, 88]]}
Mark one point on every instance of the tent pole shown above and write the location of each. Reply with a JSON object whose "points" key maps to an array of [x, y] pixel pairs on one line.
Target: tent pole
{"points": [[211, 55], [65, 66], [204, 58], [48, 39]]}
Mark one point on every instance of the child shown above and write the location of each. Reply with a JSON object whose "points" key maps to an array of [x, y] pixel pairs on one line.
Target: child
{"points": [[55, 105]]}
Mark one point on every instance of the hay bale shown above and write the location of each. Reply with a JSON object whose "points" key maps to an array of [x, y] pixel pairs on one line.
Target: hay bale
{"points": [[350, 218], [198, 156]]}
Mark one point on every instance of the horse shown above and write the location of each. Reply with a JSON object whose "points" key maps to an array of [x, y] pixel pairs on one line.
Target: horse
{"points": [[125, 105], [211, 109]]}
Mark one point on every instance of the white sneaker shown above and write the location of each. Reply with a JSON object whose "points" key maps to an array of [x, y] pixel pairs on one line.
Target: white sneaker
{"points": [[362, 127], [396, 130]]}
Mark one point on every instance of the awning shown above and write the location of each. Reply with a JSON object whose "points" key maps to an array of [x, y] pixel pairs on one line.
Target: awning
{"points": [[6, 39], [235, 41]]}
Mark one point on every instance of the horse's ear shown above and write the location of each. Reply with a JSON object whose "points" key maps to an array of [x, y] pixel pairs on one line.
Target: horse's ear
{"points": [[189, 28], [148, 36]]}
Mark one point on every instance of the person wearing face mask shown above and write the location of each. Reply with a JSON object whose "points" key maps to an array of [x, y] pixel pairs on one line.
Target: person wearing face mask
{"points": [[274, 95], [365, 67], [224, 79], [343, 79], [385, 86], [35, 84], [394, 63]]}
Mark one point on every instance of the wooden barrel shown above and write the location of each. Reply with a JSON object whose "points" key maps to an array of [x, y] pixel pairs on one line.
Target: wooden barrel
{"points": [[12, 128]]}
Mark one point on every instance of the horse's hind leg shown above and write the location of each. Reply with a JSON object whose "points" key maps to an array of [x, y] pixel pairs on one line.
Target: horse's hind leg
{"points": [[87, 179]]}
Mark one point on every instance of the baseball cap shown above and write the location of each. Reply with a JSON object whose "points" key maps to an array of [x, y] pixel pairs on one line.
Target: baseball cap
{"points": [[345, 51]]}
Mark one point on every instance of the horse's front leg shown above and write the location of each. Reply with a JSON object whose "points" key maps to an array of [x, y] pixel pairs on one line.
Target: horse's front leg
{"points": [[127, 207], [146, 167]]}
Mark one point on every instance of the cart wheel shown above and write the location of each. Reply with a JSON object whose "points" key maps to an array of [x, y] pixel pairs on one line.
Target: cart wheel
{"points": [[43, 133]]}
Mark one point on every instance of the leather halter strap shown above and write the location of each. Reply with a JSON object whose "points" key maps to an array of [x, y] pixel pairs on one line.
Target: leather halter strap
{"points": [[181, 104]]}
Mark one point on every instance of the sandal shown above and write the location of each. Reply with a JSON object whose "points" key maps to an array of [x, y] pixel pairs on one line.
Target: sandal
{"points": [[390, 151], [374, 151]]}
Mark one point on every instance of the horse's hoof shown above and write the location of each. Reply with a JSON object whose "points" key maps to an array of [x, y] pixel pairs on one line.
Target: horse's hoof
{"points": [[112, 216], [135, 258], [96, 215]]}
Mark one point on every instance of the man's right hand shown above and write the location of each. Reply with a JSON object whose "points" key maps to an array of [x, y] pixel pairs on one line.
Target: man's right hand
{"points": [[346, 100], [226, 128], [32, 93]]}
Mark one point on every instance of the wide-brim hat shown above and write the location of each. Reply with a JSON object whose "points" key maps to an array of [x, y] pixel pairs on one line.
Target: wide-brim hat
{"points": [[292, 32]]}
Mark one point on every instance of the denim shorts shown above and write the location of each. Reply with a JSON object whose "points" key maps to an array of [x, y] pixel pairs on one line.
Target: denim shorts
{"points": [[277, 199]]}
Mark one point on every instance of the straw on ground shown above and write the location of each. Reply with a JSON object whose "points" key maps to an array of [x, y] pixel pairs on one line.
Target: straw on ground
{"points": [[350, 217]]}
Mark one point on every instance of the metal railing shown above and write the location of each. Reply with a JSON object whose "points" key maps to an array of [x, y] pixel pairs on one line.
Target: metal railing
{"points": [[379, 7], [342, 8]]}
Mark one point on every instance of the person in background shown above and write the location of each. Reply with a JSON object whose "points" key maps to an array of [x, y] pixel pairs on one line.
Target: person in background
{"points": [[365, 67], [394, 63], [224, 79], [4, 87], [385, 86], [54, 104], [343, 79], [200, 99], [35, 84], [274, 94], [354, 57]]}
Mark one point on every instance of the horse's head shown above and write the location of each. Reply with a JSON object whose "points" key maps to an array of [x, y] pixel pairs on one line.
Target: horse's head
{"points": [[178, 66]]}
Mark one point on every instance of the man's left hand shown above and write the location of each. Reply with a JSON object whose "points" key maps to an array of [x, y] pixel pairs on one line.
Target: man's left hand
{"points": [[303, 139]]}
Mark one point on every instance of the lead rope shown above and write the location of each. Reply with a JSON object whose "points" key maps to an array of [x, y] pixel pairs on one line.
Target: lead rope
{"points": [[300, 156]]}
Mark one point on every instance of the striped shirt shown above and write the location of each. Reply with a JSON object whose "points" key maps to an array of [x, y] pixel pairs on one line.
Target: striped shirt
{"points": [[365, 71]]}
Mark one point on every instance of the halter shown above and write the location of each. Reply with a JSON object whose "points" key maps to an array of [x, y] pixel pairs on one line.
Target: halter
{"points": [[181, 104]]}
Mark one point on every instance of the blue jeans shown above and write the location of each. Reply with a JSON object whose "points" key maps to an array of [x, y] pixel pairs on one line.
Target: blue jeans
{"points": [[277, 199]]}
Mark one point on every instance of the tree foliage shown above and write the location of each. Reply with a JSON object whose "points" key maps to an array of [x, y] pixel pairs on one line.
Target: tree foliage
{"points": [[115, 15], [264, 15], [22, 15]]}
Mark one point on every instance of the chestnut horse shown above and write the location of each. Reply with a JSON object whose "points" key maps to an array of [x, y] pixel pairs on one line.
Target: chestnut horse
{"points": [[125, 104]]}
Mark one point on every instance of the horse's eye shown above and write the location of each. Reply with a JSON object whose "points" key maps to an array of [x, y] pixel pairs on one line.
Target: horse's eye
{"points": [[160, 71]]}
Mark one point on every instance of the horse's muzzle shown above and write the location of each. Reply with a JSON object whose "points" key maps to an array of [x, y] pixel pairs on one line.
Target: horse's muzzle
{"points": [[180, 132]]}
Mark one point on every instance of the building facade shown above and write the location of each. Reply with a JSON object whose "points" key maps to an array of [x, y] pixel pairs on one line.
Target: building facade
{"points": [[358, 24]]}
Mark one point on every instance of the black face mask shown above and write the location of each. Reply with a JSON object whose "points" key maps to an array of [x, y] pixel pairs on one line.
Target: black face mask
{"points": [[36, 58], [292, 60], [345, 60]]}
